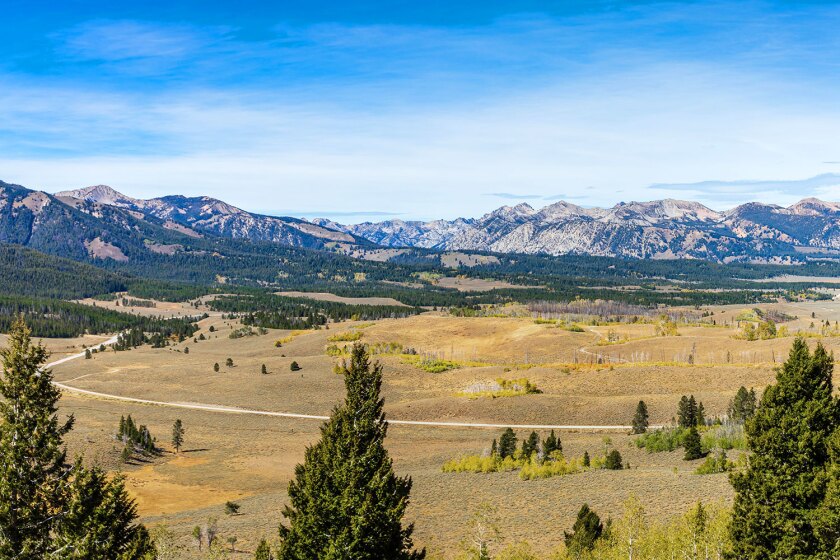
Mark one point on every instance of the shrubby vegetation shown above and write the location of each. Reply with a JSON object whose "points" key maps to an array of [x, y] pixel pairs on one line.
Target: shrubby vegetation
{"points": [[535, 459], [501, 388]]}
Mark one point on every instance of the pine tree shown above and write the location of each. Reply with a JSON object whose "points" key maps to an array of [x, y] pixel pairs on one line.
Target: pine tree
{"points": [[507, 444], [49, 509], [264, 370], [177, 435], [742, 406], [827, 518], [779, 494], [263, 551], [691, 443], [585, 532], [345, 500], [530, 445], [494, 448], [641, 418], [586, 460], [216, 367], [701, 415], [682, 412], [100, 520], [613, 461], [550, 445], [34, 473]]}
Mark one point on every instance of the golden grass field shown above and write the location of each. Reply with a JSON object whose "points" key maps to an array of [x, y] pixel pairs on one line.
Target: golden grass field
{"points": [[251, 459]]}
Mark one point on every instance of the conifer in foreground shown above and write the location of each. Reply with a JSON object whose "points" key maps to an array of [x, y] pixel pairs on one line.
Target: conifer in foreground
{"points": [[49, 509], [346, 501], [34, 486], [779, 497]]}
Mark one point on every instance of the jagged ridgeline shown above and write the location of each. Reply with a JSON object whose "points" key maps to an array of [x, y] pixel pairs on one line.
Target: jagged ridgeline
{"points": [[279, 312]]}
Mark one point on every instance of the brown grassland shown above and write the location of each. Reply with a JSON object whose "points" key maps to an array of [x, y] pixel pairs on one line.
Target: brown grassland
{"points": [[250, 459]]}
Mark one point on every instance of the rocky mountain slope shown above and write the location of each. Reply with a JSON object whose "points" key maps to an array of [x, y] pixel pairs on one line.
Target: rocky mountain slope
{"points": [[657, 229], [203, 215], [101, 223]]}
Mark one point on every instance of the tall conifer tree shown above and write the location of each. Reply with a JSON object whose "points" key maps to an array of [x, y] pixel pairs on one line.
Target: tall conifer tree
{"points": [[49, 509], [346, 501], [778, 497], [34, 486]]}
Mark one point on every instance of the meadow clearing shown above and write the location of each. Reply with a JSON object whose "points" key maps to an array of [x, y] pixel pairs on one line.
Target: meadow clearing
{"points": [[250, 458]]}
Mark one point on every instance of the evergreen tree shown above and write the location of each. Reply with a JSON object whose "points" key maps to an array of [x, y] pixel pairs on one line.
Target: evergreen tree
{"points": [[34, 474], [49, 509], [687, 412], [264, 370], [550, 445], [263, 551], [494, 448], [345, 500], [507, 444], [613, 461], [294, 366], [701, 415], [641, 418], [827, 518], [87, 354], [778, 497], [530, 445], [586, 530], [216, 367], [682, 412], [691, 443], [100, 520], [742, 406], [586, 460], [177, 435]]}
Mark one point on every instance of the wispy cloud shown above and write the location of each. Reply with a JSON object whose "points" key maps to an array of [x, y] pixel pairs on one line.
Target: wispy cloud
{"points": [[429, 118], [804, 187]]}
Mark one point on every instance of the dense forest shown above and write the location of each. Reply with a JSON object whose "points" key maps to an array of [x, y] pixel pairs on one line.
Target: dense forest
{"points": [[61, 319], [280, 312]]}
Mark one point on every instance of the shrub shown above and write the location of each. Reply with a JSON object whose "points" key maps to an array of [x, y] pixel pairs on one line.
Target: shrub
{"points": [[346, 336], [714, 464], [613, 461], [664, 439], [231, 508]]}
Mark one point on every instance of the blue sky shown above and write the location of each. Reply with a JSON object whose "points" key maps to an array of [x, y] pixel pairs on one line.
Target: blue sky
{"points": [[369, 110]]}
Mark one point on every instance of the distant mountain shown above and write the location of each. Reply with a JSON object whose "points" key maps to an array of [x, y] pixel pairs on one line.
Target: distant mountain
{"points": [[97, 223], [657, 229], [197, 216], [101, 223]]}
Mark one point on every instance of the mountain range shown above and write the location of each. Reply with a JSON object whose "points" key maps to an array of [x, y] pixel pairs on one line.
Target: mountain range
{"points": [[643, 230], [101, 223]]}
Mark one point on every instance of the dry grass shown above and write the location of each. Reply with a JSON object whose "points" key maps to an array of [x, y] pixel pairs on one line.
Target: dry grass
{"points": [[323, 296], [251, 458]]}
